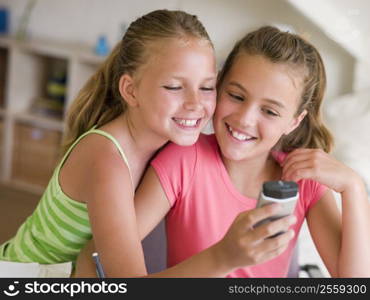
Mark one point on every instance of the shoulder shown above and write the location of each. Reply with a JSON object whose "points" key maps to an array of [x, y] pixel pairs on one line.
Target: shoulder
{"points": [[311, 191], [95, 161], [96, 150]]}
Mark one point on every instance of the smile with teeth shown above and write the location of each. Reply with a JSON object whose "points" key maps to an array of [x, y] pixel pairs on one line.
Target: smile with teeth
{"points": [[187, 122], [238, 135]]}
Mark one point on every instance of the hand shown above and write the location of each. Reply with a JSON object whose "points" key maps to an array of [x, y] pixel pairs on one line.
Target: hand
{"points": [[317, 165], [243, 245]]}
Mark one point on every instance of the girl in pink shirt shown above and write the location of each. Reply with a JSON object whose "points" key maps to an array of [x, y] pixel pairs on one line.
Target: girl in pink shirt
{"points": [[267, 127]]}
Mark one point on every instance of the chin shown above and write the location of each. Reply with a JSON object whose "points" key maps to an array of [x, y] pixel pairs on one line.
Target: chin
{"points": [[233, 156], [230, 154], [185, 140]]}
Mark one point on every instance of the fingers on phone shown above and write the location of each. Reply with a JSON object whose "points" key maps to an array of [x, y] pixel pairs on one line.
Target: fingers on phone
{"points": [[279, 243], [270, 248], [275, 228], [256, 215], [275, 246]]}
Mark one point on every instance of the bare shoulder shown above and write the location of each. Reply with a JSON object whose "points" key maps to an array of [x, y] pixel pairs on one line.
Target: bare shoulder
{"points": [[94, 160]]}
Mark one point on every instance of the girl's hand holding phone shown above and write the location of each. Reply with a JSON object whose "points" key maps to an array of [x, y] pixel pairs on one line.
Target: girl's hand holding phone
{"points": [[245, 245]]}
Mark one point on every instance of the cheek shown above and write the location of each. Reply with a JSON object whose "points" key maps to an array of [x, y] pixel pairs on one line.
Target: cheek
{"points": [[274, 131], [211, 105], [217, 116], [222, 109], [163, 102]]}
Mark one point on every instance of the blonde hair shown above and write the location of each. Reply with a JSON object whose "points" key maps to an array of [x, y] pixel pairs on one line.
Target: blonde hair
{"points": [[284, 47], [99, 101]]}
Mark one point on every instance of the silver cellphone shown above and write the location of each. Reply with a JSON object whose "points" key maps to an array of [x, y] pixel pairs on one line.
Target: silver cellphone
{"points": [[283, 192]]}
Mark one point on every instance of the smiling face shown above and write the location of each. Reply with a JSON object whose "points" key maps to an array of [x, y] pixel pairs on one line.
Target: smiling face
{"points": [[257, 104], [175, 89]]}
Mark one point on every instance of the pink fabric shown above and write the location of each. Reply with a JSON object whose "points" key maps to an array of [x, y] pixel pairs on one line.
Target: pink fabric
{"points": [[204, 203]]}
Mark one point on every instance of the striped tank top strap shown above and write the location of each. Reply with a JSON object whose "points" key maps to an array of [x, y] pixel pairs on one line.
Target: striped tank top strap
{"points": [[107, 135], [114, 141]]}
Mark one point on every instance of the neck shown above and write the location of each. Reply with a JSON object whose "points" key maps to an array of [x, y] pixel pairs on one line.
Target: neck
{"points": [[143, 141], [138, 143], [248, 175]]}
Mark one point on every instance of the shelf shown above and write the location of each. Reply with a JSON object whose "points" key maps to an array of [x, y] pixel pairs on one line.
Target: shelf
{"points": [[1, 140], [44, 122], [40, 79], [29, 77], [57, 49], [5, 41], [24, 186], [36, 151], [3, 75], [90, 58]]}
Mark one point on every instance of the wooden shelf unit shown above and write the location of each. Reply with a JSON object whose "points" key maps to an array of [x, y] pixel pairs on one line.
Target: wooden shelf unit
{"points": [[30, 141]]}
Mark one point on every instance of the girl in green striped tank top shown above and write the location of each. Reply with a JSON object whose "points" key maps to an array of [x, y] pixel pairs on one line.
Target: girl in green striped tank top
{"points": [[157, 85]]}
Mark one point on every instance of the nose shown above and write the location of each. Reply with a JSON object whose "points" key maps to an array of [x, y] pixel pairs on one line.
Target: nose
{"points": [[192, 101], [248, 115]]}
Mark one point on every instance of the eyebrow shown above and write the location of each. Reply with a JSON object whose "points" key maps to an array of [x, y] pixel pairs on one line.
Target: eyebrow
{"points": [[205, 79], [272, 101]]}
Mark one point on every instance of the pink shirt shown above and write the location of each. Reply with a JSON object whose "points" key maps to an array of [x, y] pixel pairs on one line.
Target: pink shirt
{"points": [[204, 203]]}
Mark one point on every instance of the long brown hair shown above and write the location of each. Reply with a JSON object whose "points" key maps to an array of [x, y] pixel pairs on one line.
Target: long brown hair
{"points": [[291, 49], [99, 101]]}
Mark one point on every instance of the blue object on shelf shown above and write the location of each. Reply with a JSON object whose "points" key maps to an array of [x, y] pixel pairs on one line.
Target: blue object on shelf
{"points": [[102, 47], [4, 20]]}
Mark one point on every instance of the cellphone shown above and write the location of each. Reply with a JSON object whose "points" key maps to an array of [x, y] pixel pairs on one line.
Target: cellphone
{"points": [[283, 192]]}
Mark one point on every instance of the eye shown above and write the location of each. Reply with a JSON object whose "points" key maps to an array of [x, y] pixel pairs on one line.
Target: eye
{"points": [[207, 89], [271, 112], [236, 97], [172, 88]]}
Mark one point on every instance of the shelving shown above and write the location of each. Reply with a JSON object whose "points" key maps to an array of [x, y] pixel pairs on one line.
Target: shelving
{"points": [[38, 81], [35, 153], [3, 73], [1, 138]]}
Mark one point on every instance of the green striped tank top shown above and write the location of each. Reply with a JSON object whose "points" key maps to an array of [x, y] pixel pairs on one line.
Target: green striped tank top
{"points": [[58, 228]]}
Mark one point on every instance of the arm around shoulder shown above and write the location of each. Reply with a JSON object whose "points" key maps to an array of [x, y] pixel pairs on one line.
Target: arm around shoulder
{"points": [[109, 194], [151, 203]]}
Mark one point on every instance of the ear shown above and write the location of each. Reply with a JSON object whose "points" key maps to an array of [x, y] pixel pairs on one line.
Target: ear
{"points": [[295, 122], [127, 90]]}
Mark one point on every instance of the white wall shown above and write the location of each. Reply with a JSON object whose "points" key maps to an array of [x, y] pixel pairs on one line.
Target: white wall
{"points": [[226, 21]]}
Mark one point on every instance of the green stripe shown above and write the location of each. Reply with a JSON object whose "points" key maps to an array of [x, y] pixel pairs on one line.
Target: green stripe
{"points": [[83, 230], [66, 244], [62, 251], [56, 190], [32, 252], [68, 211], [23, 246], [65, 226], [54, 201], [79, 206], [18, 251], [58, 255], [36, 220], [53, 188], [11, 253]]}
